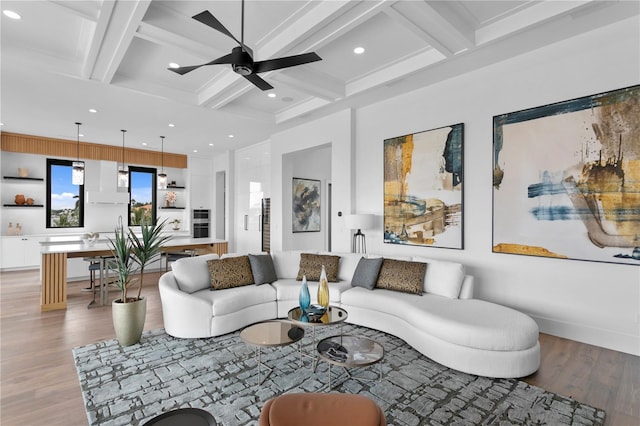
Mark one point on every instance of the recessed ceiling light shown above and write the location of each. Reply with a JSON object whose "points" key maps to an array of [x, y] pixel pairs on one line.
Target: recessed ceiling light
{"points": [[195, 150], [271, 95], [172, 125], [81, 135], [1, 124], [144, 144], [93, 110], [11, 14], [358, 50], [210, 144], [173, 65], [231, 136]]}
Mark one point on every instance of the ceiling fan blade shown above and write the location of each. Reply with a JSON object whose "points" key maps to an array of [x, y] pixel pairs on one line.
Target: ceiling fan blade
{"points": [[258, 82], [285, 62], [226, 59], [208, 19]]}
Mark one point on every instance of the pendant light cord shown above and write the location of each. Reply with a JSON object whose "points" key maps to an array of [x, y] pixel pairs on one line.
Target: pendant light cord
{"points": [[162, 155], [78, 144], [123, 132]]}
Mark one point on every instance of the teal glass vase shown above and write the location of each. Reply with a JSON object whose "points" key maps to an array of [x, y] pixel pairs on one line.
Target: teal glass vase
{"points": [[305, 297]]}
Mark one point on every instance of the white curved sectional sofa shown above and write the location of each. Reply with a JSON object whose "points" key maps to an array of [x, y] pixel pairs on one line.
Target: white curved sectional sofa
{"points": [[444, 323]]}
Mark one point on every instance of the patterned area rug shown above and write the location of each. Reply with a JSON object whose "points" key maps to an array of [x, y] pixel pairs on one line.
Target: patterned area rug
{"points": [[128, 386]]}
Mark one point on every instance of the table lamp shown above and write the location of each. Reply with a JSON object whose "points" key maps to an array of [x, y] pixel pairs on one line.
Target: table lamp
{"points": [[359, 222]]}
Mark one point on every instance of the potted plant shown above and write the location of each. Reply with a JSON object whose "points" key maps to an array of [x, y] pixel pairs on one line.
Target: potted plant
{"points": [[131, 255]]}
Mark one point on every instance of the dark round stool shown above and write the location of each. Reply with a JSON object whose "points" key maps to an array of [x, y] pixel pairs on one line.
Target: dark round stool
{"points": [[183, 417]]}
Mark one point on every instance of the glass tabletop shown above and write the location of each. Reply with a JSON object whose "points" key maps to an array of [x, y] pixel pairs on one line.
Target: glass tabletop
{"points": [[333, 315], [272, 333], [350, 351]]}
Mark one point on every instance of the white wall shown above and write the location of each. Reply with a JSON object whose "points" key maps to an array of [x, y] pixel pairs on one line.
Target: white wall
{"points": [[597, 303], [335, 131], [313, 163]]}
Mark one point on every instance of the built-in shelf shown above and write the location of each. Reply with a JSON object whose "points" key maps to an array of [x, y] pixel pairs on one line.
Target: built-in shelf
{"points": [[32, 179], [22, 205], [175, 187], [171, 208]]}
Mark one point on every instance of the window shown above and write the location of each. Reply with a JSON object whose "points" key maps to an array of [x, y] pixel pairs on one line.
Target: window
{"points": [[65, 201], [142, 187]]}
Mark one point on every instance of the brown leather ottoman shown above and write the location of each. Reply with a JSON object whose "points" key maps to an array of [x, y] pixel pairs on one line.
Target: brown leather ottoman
{"points": [[321, 409]]}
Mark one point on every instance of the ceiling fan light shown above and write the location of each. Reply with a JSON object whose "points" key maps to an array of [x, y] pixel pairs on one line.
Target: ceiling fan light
{"points": [[242, 69]]}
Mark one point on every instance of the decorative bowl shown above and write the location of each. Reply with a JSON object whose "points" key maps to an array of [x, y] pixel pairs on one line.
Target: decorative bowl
{"points": [[315, 311]]}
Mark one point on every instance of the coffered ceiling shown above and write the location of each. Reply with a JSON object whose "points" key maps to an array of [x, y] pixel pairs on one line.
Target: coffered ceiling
{"points": [[64, 57]]}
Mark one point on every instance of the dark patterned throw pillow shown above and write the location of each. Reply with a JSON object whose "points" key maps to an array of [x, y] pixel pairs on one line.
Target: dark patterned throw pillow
{"points": [[400, 275], [230, 272]]}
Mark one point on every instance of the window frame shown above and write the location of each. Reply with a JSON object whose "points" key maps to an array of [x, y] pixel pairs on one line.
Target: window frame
{"points": [[154, 184], [48, 223]]}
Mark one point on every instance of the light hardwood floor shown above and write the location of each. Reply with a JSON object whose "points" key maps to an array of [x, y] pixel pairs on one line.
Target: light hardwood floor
{"points": [[38, 381]]}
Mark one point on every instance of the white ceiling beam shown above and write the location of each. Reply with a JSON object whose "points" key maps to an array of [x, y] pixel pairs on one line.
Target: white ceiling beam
{"points": [[83, 9], [396, 71], [309, 81], [98, 38], [247, 112], [300, 109], [347, 20], [123, 23], [534, 15], [163, 37], [419, 31]]}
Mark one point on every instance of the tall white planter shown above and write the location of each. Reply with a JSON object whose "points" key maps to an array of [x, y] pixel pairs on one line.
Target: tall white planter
{"points": [[128, 320]]}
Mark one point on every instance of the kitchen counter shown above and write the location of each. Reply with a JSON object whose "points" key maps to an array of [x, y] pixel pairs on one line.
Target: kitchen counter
{"points": [[56, 250]]}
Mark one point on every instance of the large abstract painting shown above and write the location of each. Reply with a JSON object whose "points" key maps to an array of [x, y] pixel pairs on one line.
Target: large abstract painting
{"points": [[566, 179], [306, 205], [423, 188]]}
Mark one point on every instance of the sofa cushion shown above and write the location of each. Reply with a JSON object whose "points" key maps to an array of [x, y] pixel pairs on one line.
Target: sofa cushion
{"points": [[366, 273], [192, 273], [262, 268], [311, 266], [230, 272], [287, 263], [442, 278], [400, 275]]}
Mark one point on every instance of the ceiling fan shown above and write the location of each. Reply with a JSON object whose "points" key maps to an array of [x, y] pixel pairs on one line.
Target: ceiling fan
{"points": [[241, 57]]}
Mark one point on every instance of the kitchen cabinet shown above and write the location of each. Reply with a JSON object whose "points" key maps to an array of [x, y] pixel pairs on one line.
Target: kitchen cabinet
{"points": [[20, 252]]}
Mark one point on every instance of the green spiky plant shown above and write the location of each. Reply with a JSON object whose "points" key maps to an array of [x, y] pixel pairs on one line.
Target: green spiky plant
{"points": [[133, 254], [123, 261], [146, 248]]}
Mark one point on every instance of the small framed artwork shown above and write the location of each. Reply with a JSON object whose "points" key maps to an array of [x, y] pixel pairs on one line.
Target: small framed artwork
{"points": [[423, 188], [566, 179], [306, 205]]}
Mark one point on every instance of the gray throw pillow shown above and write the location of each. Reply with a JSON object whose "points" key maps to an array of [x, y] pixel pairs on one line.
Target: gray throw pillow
{"points": [[262, 268], [366, 273]]}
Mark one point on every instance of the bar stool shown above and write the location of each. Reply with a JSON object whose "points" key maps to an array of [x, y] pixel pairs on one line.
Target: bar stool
{"points": [[172, 256], [96, 264]]}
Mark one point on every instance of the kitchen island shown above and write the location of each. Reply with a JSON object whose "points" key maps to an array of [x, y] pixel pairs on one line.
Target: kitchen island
{"points": [[55, 251]]}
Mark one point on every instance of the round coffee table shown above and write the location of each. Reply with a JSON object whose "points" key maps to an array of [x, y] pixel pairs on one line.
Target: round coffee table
{"points": [[271, 333], [349, 351], [183, 416], [334, 315]]}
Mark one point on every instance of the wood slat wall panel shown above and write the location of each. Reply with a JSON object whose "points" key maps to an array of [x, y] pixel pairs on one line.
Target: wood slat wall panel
{"points": [[54, 272], [28, 144]]}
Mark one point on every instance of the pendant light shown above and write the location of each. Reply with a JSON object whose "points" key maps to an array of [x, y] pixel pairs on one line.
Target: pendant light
{"points": [[123, 173], [162, 176], [77, 171]]}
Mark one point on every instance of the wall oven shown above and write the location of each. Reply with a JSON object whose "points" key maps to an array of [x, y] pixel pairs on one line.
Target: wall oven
{"points": [[201, 220]]}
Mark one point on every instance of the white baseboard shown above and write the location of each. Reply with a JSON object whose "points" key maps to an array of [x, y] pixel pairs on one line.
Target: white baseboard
{"points": [[621, 342]]}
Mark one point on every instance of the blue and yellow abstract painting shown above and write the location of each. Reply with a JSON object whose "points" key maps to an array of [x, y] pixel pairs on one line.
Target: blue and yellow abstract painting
{"points": [[566, 179], [423, 188]]}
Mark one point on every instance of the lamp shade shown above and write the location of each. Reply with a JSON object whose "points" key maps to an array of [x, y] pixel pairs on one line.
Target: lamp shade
{"points": [[359, 221]]}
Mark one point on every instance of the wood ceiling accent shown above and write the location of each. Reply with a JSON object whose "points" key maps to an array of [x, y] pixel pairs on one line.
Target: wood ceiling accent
{"points": [[29, 144]]}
